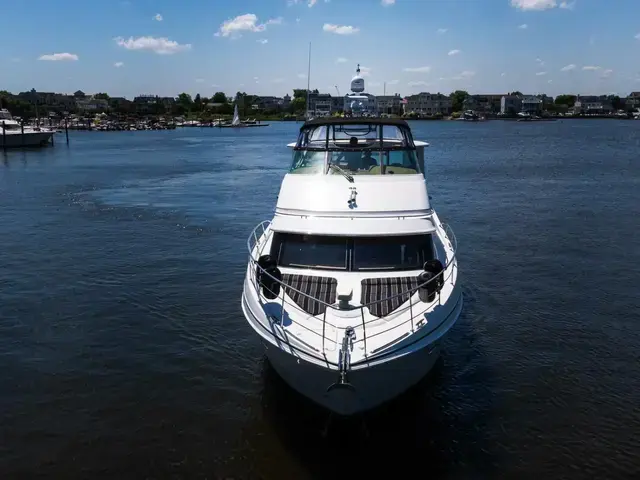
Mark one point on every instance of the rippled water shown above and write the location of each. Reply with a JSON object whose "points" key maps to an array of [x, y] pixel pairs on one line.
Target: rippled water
{"points": [[124, 352]]}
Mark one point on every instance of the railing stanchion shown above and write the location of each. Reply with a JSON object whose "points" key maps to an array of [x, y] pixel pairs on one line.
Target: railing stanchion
{"points": [[324, 326], [364, 332], [411, 310]]}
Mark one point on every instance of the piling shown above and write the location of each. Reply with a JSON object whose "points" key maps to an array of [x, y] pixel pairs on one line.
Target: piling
{"points": [[66, 129], [4, 137], [22, 133]]}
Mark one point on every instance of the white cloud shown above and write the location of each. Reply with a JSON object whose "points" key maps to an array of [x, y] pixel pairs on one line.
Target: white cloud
{"points": [[262, 41], [503, 74], [534, 4], [365, 71], [278, 80], [159, 45], [540, 62], [302, 75], [541, 74], [118, 64], [312, 3], [591, 67], [157, 17], [418, 83], [464, 75], [244, 23], [568, 5], [417, 69], [442, 30], [386, 3], [453, 52], [340, 29], [215, 85], [637, 37], [607, 73], [568, 68], [549, 81], [60, 57], [199, 80], [341, 60], [297, 20], [524, 26]]}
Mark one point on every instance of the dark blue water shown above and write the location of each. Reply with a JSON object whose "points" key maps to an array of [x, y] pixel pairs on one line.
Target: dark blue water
{"points": [[124, 352]]}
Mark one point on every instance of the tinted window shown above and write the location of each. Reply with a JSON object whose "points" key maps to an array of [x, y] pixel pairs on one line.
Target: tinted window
{"points": [[316, 251], [392, 253], [309, 162], [401, 161]]}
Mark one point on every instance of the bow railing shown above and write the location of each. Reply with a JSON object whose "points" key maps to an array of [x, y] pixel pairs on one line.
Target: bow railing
{"points": [[256, 243]]}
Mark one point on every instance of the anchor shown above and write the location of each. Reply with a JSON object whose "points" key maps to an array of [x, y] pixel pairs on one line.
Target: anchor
{"points": [[344, 362]]}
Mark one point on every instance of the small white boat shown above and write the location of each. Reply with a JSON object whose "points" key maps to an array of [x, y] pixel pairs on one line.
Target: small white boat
{"points": [[12, 134], [353, 284]]}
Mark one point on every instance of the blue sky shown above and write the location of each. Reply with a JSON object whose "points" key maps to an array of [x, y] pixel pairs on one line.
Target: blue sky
{"points": [[166, 47]]}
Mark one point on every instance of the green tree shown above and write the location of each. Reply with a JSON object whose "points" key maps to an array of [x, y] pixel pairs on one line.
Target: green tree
{"points": [[568, 100], [219, 97], [457, 99], [517, 93], [102, 96], [616, 102]]}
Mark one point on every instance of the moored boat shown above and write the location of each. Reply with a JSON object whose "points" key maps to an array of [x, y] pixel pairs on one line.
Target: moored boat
{"points": [[353, 284]]}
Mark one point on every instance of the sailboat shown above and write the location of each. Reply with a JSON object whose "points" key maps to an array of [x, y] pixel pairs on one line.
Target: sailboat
{"points": [[237, 123]]}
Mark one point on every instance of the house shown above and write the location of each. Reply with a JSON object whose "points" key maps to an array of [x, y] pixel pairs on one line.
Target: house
{"points": [[426, 103], [531, 104], [484, 103], [510, 104], [390, 104], [592, 105], [92, 104], [632, 102], [319, 104]]}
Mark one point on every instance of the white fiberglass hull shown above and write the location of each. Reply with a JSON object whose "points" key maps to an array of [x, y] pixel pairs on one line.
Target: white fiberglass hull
{"points": [[29, 139], [370, 385]]}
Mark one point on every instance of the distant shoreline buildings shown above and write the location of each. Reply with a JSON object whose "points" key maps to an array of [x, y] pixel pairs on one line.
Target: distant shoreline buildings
{"points": [[421, 104]]}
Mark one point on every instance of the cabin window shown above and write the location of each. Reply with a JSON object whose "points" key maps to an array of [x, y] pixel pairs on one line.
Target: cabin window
{"points": [[308, 162], [310, 251], [405, 252], [401, 162]]}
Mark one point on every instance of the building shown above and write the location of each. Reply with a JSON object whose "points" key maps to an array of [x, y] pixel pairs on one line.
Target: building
{"points": [[48, 99], [319, 104], [510, 104], [531, 104], [484, 103], [632, 102], [92, 104], [425, 103], [390, 104], [592, 105]]}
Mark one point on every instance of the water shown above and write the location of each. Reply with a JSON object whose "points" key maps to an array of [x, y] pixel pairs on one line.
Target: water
{"points": [[125, 354]]}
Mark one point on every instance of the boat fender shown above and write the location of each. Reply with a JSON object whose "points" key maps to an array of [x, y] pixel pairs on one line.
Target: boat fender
{"points": [[427, 291], [435, 266], [264, 262], [271, 282]]}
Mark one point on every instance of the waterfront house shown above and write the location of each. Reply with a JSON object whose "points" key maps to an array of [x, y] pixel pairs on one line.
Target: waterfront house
{"points": [[510, 104], [425, 103], [632, 102], [483, 103], [592, 105], [531, 105], [390, 104]]}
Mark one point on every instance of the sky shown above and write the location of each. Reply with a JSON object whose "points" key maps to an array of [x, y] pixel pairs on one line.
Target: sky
{"points": [[164, 47]]}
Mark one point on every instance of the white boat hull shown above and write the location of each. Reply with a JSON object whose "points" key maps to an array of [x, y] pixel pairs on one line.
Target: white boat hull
{"points": [[371, 384], [29, 139]]}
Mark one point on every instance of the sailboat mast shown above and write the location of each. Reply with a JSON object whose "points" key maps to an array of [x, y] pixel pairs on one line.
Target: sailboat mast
{"points": [[306, 116]]}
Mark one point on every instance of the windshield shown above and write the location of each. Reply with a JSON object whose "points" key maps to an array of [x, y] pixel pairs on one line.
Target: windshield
{"points": [[353, 149]]}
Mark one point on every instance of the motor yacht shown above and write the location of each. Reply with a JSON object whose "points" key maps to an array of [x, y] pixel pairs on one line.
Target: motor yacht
{"points": [[12, 134], [353, 284]]}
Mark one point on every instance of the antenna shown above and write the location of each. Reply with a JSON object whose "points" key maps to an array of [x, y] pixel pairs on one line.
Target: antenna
{"points": [[337, 89], [308, 83]]}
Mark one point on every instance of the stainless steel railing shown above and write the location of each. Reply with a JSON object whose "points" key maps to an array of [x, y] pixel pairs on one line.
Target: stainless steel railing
{"points": [[259, 238]]}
